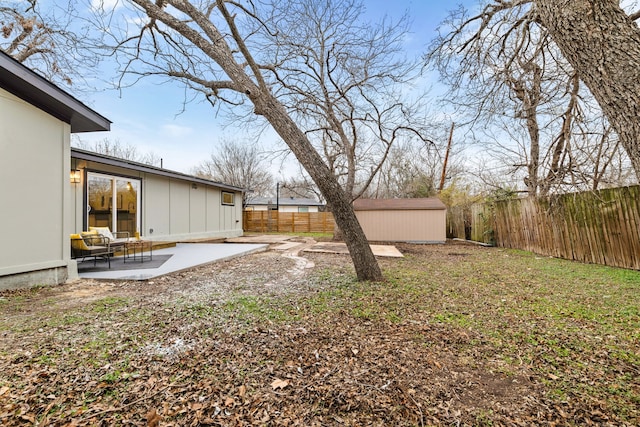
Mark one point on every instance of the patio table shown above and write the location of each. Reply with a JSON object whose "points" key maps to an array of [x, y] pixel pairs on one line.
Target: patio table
{"points": [[137, 248]]}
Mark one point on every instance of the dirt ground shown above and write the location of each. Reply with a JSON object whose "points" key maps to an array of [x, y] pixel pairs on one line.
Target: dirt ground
{"points": [[265, 339]]}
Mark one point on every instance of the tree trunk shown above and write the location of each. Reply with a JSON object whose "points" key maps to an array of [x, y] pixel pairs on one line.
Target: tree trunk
{"points": [[364, 261], [603, 45], [266, 104]]}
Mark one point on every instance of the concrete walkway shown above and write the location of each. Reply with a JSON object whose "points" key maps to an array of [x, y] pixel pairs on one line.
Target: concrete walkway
{"points": [[183, 256]]}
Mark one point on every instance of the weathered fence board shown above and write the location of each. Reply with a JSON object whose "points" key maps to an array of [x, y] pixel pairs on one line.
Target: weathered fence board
{"points": [[599, 227], [288, 222]]}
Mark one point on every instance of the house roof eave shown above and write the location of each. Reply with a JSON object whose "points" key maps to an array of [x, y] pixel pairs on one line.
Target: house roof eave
{"points": [[90, 156], [41, 93]]}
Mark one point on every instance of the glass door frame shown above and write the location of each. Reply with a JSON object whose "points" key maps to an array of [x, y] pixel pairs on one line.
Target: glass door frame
{"points": [[114, 194]]}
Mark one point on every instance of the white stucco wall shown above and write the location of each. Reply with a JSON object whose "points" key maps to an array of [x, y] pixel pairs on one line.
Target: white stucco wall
{"points": [[34, 188]]}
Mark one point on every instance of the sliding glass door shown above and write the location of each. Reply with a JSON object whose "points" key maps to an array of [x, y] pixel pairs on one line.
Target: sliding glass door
{"points": [[113, 202]]}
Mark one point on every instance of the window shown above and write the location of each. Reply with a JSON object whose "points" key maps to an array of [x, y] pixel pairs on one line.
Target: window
{"points": [[124, 214], [303, 209], [228, 198]]}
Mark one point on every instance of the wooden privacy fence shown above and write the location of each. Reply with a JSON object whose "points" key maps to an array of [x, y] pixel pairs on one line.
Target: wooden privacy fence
{"points": [[288, 222], [469, 223], [601, 227]]}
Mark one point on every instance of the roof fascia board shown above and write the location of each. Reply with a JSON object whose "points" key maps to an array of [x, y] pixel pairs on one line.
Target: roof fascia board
{"points": [[141, 167], [38, 91]]}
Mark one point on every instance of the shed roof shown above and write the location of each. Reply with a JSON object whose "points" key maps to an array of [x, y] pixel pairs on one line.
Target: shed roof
{"points": [[90, 156], [429, 203], [41, 93]]}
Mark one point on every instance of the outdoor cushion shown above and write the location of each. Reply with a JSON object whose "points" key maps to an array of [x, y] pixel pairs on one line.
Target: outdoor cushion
{"points": [[78, 243], [104, 231], [92, 238]]}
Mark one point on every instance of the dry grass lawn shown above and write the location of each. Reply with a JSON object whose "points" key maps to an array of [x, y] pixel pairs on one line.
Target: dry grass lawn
{"points": [[457, 335]]}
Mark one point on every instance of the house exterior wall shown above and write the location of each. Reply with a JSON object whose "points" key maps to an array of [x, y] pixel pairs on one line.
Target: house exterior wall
{"points": [[214, 197], [295, 208], [171, 209], [179, 209], [35, 194], [156, 204], [282, 208], [420, 226]]}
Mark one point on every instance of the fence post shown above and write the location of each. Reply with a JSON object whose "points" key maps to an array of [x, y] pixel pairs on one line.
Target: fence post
{"points": [[264, 221]]}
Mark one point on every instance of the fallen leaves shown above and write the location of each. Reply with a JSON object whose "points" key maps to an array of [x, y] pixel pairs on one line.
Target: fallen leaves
{"points": [[153, 418], [321, 367], [279, 384]]}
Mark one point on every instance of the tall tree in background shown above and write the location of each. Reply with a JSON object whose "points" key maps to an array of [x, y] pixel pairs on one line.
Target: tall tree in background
{"points": [[602, 44], [347, 82], [301, 186], [239, 164], [212, 46], [414, 170], [504, 68], [45, 41]]}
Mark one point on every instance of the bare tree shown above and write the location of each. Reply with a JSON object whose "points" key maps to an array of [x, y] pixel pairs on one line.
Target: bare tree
{"points": [[45, 39], [301, 186], [238, 164], [412, 170], [602, 44], [346, 82], [212, 45], [119, 150], [507, 73]]}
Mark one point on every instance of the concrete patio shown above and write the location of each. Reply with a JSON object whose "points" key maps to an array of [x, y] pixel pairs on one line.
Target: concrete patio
{"points": [[180, 257]]}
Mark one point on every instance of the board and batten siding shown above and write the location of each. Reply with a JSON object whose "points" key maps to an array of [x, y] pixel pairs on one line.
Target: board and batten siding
{"points": [[177, 210], [180, 208], [402, 220], [171, 209]]}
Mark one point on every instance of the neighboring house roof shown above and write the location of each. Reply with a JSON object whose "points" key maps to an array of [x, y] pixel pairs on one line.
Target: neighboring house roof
{"points": [[284, 201], [430, 203], [90, 156], [41, 93]]}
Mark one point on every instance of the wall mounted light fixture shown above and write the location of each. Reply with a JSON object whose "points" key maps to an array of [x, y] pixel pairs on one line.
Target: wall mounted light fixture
{"points": [[75, 176]]}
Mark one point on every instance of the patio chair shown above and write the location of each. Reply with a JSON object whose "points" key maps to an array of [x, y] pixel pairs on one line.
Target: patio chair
{"points": [[87, 245], [116, 239]]}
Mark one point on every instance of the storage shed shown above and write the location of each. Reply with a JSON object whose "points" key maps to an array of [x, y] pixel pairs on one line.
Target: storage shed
{"points": [[402, 220]]}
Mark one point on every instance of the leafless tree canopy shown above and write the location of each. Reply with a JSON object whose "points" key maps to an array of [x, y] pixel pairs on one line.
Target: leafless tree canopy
{"points": [[117, 149], [47, 40], [411, 171], [508, 76], [239, 164], [346, 82]]}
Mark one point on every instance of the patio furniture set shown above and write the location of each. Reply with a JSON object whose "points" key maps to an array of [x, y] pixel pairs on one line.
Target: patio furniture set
{"points": [[101, 243]]}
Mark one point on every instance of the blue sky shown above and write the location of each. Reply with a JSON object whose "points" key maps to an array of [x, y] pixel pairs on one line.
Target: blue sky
{"points": [[149, 116]]}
